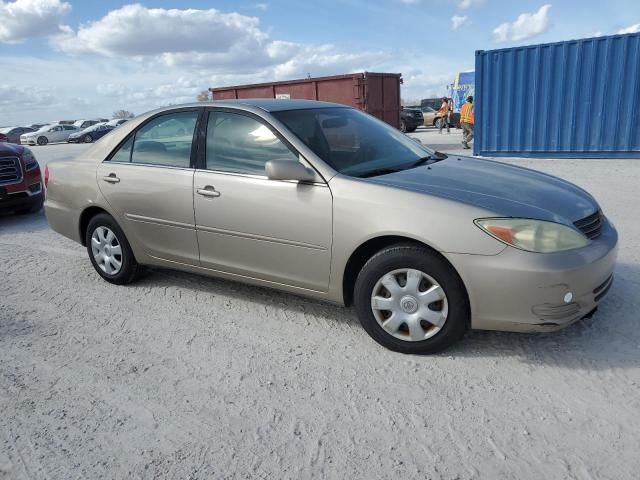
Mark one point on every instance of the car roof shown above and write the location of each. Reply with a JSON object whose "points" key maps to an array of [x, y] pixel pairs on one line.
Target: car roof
{"points": [[266, 104]]}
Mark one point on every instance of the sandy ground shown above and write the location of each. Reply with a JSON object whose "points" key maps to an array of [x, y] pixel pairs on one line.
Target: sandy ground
{"points": [[180, 376]]}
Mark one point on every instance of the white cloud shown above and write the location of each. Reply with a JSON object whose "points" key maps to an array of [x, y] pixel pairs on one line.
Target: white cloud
{"points": [[23, 19], [632, 29], [410, 2], [134, 30], [262, 6], [458, 21], [464, 4], [527, 25]]}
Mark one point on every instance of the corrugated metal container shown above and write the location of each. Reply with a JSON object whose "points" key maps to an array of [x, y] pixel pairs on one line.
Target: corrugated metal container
{"points": [[374, 93], [578, 99]]}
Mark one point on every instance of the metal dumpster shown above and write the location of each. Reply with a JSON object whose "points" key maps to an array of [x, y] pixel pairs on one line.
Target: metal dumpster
{"points": [[375, 93]]}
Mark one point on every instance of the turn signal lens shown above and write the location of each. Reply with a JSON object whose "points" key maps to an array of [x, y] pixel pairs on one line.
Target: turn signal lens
{"points": [[46, 176], [533, 235]]}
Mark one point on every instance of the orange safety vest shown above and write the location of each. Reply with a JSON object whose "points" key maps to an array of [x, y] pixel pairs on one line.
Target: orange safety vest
{"points": [[466, 113]]}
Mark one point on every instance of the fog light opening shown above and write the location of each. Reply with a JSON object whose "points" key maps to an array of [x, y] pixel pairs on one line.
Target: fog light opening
{"points": [[568, 297]]}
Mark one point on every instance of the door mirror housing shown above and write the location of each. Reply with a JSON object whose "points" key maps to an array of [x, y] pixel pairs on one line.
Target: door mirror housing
{"points": [[288, 170]]}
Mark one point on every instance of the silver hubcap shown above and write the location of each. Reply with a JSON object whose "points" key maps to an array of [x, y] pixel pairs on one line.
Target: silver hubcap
{"points": [[106, 250], [409, 304]]}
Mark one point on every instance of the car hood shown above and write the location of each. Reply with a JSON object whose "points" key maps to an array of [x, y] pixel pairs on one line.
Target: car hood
{"points": [[504, 189]]}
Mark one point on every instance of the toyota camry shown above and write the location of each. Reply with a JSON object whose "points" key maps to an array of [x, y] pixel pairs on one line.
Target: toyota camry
{"points": [[326, 201]]}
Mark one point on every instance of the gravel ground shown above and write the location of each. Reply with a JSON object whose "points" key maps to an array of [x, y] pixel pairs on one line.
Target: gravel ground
{"points": [[180, 376]]}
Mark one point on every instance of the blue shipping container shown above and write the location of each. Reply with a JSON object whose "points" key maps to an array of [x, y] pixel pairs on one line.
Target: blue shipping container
{"points": [[574, 99]]}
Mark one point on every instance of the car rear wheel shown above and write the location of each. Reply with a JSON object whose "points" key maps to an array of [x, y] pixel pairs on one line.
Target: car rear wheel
{"points": [[109, 250], [410, 300], [43, 140], [87, 139], [438, 123]]}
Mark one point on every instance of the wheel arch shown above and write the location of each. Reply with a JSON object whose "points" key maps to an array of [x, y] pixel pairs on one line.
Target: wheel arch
{"points": [[370, 247], [85, 217]]}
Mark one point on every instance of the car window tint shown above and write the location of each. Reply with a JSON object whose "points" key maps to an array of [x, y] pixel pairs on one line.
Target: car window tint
{"points": [[124, 152], [166, 140], [240, 144], [69, 127]]}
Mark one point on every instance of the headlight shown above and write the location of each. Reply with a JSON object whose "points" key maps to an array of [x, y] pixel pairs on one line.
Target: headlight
{"points": [[30, 160], [533, 235]]}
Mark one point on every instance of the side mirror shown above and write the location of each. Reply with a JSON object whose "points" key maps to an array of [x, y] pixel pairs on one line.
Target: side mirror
{"points": [[288, 170]]}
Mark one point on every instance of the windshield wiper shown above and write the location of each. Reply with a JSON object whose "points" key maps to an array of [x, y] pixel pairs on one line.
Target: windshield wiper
{"points": [[429, 159]]}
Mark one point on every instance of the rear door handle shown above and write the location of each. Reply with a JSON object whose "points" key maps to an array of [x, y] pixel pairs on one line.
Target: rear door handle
{"points": [[111, 178], [208, 191]]}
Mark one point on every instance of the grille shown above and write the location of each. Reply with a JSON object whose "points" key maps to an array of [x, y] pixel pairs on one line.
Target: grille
{"points": [[10, 170], [591, 226], [601, 290]]}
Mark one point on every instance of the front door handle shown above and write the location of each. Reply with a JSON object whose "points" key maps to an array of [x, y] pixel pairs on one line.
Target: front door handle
{"points": [[111, 178], [208, 191]]}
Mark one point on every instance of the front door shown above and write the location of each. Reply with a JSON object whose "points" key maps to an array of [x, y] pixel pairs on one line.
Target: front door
{"points": [[278, 231], [149, 184]]}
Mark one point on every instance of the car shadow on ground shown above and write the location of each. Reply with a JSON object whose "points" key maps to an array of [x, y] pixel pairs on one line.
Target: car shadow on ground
{"points": [[610, 339], [30, 222]]}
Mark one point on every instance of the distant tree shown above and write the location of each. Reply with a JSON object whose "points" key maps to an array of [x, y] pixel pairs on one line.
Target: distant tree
{"points": [[123, 114], [203, 96]]}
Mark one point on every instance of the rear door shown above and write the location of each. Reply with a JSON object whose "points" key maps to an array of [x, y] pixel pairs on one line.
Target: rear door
{"points": [[148, 182], [278, 231]]}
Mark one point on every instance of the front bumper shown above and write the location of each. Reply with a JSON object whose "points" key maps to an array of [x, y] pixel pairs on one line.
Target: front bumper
{"points": [[529, 292], [27, 141], [73, 140], [21, 200]]}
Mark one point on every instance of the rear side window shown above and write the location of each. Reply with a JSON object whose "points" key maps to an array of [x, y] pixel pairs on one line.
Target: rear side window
{"points": [[166, 140], [237, 143], [69, 127]]}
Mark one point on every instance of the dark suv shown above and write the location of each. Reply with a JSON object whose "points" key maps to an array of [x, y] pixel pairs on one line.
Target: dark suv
{"points": [[21, 188], [410, 119]]}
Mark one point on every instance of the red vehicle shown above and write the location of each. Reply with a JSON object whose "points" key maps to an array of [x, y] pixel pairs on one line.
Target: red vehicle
{"points": [[21, 187]]}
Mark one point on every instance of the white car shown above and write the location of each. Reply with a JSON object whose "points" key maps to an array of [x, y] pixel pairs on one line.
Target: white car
{"points": [[49, 133]]}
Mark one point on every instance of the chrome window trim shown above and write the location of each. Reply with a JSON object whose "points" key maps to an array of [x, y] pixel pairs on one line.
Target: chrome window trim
{"points": [[153, 165], [259, 177]]}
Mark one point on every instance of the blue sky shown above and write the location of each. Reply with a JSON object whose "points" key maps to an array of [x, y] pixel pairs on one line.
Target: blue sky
{"points": [[73, 59]]}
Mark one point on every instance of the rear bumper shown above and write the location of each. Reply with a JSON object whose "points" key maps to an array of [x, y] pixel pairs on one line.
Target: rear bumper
{"points": [[529, 292]]}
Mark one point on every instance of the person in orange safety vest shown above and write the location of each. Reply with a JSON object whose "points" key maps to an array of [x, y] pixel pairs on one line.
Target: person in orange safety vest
{"points": [[466, 122]]}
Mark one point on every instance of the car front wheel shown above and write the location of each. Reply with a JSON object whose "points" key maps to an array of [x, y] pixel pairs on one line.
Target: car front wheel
{"points": [[109, 250], [87, 139], [43, 140], [410, 300]]}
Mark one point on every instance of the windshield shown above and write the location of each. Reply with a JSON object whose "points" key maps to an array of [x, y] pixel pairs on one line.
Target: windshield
{"points": [[352, 142]]}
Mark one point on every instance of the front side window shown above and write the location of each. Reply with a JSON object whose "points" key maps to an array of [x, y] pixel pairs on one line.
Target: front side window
{"points": [[166, 140], [352, 142], [237, 143]]}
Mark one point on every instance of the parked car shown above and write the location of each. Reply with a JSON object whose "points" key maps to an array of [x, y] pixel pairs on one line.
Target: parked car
{"points": [[410, 119], [82, 124], [327, 201], [116, 122], [90, 134], [21, 187], [432, 118], [12, 134], [36, 126], [47, 134]]}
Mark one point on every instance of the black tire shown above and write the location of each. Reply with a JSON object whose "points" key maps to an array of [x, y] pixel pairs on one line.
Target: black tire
{"points": [[87, 139], [414, 257], [403, 126], [130, 268], [437, 123], [42, 141], [412, 129]]}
